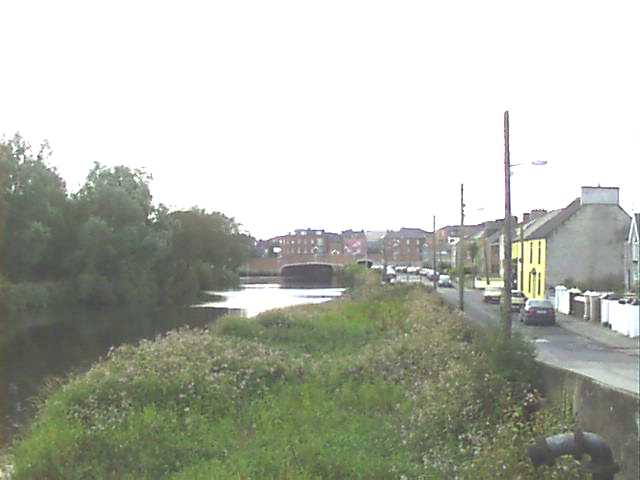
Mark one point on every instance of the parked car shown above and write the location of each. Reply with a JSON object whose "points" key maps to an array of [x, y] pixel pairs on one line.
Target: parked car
{"points": [[492, 295], [518, 300], [538, 311], [413, 270], [445, 281]]}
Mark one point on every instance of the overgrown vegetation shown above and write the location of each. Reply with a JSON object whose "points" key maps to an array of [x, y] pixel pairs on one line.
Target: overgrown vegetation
{"points": [[105, 244], [386, 383]]}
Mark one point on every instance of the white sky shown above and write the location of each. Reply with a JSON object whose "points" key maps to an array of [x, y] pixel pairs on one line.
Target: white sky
{"points": [[332, 114]]}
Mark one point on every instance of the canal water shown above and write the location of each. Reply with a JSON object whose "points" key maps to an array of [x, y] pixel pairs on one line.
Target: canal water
{"points": [[54, 344]]}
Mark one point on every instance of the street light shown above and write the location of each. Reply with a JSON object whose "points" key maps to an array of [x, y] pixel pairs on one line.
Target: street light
{"points": [[535, 163]]}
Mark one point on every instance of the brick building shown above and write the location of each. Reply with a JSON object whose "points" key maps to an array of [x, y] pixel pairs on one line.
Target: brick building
{"points": [[407, 246], [354, 243]]}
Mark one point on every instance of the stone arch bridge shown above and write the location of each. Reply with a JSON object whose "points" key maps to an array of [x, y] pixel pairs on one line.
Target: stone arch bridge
{"points": [[300, 265]]}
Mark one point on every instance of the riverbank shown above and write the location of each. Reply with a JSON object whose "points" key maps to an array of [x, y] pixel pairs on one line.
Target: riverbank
{"points": [[385, 383]]}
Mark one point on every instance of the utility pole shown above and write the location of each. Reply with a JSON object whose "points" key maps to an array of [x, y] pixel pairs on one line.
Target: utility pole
{"points": [[521, 259], [461, 252], [486, 258], [506, 291], [366, 250], [384, 258], [435, 249]]}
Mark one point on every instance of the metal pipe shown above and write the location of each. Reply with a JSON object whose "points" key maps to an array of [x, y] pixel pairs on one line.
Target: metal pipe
{"points": [[601, 466]]}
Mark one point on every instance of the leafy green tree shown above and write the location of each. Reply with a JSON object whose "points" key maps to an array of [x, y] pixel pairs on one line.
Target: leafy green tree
{"points": [[36, 204], [119, 195], [206, 250], [107, 244]]}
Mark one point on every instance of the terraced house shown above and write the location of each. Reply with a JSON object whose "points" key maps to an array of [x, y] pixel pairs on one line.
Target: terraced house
{"points": [[581, 244]]}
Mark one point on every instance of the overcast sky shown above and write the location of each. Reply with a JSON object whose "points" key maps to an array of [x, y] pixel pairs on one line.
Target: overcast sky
{"points": [[332, 114]]}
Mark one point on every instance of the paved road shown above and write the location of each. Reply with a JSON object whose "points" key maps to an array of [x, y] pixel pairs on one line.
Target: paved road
{"points": [[617, 367]]}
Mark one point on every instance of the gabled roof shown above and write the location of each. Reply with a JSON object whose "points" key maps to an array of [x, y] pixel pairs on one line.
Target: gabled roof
{"points": [[332, 235], [634, 228], [351, 233], [544, 225]]}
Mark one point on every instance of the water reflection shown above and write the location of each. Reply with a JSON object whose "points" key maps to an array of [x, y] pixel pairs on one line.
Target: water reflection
{"points": [[54, 344], [252, 299]]}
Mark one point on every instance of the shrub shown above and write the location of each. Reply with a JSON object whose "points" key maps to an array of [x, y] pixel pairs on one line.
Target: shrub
{"points": [[388, 383]]}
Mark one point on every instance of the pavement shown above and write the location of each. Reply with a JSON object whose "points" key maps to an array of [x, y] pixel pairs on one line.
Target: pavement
{"points": [[582, 347]]}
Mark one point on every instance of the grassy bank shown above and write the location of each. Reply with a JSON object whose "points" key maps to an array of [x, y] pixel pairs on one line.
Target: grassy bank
{"points": [[387, 383]]}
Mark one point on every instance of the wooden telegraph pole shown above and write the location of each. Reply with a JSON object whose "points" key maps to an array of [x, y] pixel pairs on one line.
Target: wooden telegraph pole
{"points": [[506, 291], [461, 252], [521, 259], [435, 249]]}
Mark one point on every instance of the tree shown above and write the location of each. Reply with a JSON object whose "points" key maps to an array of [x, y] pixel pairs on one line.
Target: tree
{"points": [[35, 205], [206, 250], [119, 195]]}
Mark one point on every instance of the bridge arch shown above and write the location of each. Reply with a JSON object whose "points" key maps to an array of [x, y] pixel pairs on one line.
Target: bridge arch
{"points": [[315, 271], [367, 262]]}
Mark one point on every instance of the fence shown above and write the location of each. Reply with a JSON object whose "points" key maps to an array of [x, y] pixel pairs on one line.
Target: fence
{"points": [[623, 317]]}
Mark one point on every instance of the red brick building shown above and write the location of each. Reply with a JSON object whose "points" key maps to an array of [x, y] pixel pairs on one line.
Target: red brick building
{"points": [[407, 246]]}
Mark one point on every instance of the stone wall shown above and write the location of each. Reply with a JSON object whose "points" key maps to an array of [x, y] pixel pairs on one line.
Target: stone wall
{"points": [[612, 414]]}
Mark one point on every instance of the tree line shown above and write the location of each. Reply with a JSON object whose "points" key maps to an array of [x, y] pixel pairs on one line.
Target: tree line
{"points": [[106, 244]]}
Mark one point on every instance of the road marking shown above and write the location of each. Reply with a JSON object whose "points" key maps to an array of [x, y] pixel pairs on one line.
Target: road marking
{"points": [[541, 340]]}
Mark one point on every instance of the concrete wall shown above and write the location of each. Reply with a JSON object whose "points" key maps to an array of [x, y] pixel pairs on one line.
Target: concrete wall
{"points": [[612, 414], [589, 247]]}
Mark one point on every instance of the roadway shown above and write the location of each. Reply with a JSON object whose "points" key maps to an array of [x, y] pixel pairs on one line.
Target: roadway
{"points": [[613, 363]]}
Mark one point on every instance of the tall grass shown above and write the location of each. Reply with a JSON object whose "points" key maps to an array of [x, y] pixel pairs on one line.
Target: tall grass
{"points": [[388, 383]]}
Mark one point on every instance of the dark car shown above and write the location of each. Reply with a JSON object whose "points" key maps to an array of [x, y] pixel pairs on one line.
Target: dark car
{"points": [[538, 312]]}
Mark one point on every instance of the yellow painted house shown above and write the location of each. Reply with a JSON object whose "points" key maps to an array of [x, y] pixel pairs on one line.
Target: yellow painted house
{"points": [[530, 271]]}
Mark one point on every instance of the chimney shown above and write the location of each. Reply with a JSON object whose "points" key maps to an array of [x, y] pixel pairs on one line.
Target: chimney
{"points": [[525, 217], [538, 212], [600, 195]]}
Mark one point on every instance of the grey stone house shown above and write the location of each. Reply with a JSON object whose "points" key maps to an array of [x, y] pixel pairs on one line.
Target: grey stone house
{"points": [[582, 244]]}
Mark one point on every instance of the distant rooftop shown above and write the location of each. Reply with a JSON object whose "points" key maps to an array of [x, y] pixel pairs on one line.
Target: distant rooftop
{"points": [[409, 233]]}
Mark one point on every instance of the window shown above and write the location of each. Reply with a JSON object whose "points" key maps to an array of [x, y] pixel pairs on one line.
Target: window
{"points": [[539, 282], [539, 250], [530, 252], [529, 287]]}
